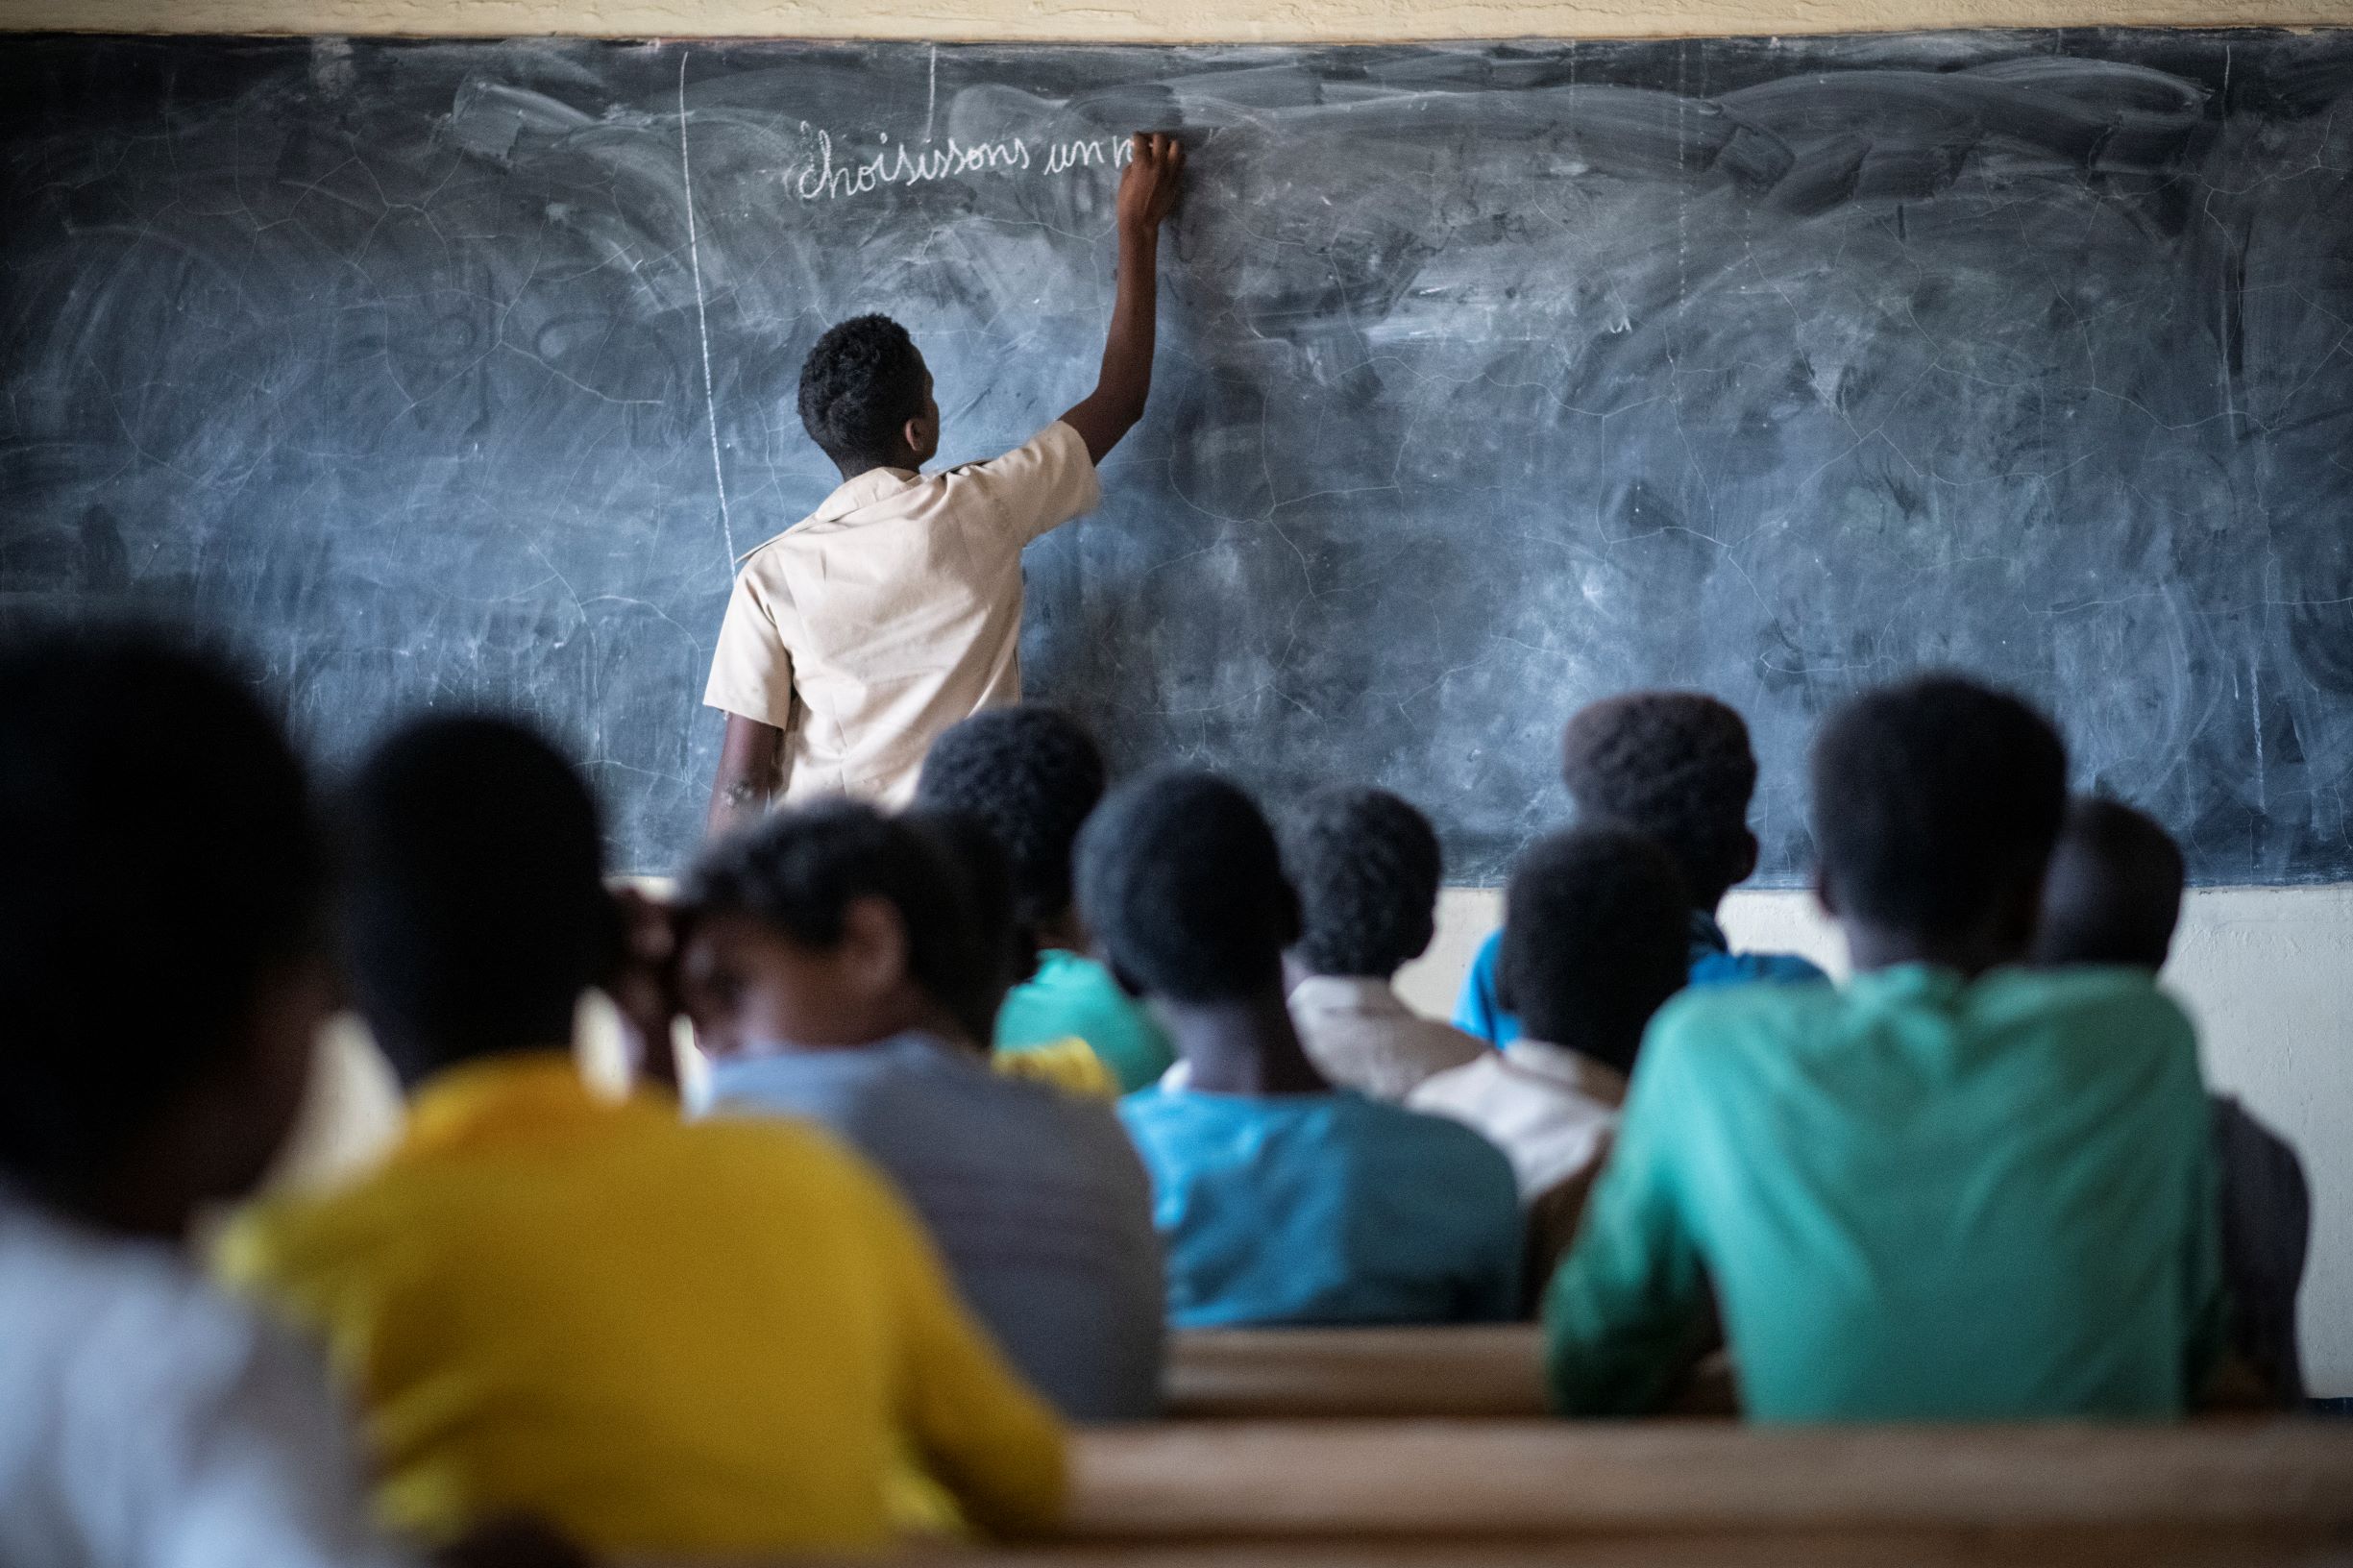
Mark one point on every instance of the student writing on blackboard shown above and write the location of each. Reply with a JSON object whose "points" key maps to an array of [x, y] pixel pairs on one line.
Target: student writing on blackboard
{"points": [[861, 632]]}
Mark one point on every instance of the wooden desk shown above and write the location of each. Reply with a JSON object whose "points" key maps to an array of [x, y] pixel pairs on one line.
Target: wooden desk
{"points": [[1284, 1374]]}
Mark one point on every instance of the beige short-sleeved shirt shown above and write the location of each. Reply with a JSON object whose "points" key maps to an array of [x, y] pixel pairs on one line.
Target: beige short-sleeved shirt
{"points": [[892, 612]]}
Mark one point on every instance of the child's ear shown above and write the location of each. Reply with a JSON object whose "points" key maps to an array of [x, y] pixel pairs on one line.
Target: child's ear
{"points": [[1824, 893], [871, 957], [1749, 855]]}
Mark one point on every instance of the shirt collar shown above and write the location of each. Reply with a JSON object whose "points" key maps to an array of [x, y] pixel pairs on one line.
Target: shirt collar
{"points": [[863, 490], [1346, 993], [1707, 936], [1595, 1080], [498, 1094]]}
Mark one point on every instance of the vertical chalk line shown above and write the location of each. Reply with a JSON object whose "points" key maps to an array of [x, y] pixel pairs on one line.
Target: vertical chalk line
{"points": [[702, 321], [931, 98]]}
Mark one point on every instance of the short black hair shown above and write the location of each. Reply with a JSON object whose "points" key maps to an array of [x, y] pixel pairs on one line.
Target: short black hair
{"points": [[1181, 882], [2112, 893], [478, 911], [797, 871], [162, 858], [1931, 798], [1367, 867], [1003, 953], [1676, 765], [1031, 775], [1596, 936], [859, 387]]}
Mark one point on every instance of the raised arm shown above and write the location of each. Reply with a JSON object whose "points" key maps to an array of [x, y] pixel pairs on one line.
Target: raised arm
{"points": [[750, 773], [1147, 192]]}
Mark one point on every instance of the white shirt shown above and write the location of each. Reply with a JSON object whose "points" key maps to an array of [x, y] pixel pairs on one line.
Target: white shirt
{"points": [[892, 612], [149, 1421], [1552, 1109], [1361, 1036]]}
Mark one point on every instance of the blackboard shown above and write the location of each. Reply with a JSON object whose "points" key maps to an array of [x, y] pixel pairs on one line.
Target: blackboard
{"points": [[1494, 378]]}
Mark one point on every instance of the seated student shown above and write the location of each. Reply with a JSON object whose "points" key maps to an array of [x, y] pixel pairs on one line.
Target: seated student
{"points": [[1951, 1189], [1031, 775], [1596, 924], [2113, 897], [163, 977], [1367, 867], [670, 1339], [894, 610], [1281, 1199], [837, 968], [1675, 766]]}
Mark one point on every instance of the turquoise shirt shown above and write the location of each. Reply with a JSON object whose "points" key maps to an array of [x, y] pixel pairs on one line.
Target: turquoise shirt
{"points": [[1073, 995], [1324, 1208], [1480, 1012], [1917, 1198]]}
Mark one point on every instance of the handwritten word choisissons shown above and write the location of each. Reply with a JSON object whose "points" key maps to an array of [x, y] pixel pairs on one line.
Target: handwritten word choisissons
{"points": [[901, 164]]}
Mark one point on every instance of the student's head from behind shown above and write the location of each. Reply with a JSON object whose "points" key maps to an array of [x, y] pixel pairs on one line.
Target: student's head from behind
{"points": [[1366, 866], [866, 397], [1182, 884], [830, 925], [1031, 776], [2113, 893], [1675, 766], [1935, 805], [1004, 953], [163, 963], [477, 912], [1596, 936]]}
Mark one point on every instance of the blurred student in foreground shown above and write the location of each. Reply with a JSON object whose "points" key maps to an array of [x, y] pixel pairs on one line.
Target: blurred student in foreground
{"points": [[844, 966], [1955, 1189], [2113, 897], [666, 1338], [146, 1420]]}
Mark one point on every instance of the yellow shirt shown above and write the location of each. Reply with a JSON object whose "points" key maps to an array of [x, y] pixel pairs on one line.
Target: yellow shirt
{"points": [[663, 1337], [892, 612], [1067, 1064]]}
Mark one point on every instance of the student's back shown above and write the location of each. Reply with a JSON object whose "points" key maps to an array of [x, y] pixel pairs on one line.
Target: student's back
{"points": [[1027, 1191], [1278, 1198], [1324, 1208], [1924, 1198], [1950, 1189], [668, 1339], [672, 1337]]}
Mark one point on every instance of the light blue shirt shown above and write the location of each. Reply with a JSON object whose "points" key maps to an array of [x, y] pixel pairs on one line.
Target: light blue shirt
{"points": [[1713, 963], [1034, 1198], [1326, 1207]]}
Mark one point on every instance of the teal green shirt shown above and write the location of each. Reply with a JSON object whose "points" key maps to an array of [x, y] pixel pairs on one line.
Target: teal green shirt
{"points": [[1070, 996], [1916, 1198]]}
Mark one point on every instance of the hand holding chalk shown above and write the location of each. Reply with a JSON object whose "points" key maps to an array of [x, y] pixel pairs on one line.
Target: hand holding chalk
{"points": [[1148, 190]]}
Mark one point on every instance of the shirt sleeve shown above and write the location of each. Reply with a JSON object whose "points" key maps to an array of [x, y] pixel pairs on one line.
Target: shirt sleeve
{"points": [[1479, 1010], [271, 1471], [752, 670], [1628, 1311], [995, 1447], [1038, 486]]}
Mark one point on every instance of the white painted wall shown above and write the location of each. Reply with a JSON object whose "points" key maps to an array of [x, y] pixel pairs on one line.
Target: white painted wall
{"points": [[2268, 975]]}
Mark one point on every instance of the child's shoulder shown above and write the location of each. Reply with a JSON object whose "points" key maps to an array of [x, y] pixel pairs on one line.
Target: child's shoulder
{"points": [[2128, 996], [1750, 1009]]}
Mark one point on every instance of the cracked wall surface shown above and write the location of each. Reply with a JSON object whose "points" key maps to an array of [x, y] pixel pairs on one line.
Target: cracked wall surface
{"points": [[1493, 379]]}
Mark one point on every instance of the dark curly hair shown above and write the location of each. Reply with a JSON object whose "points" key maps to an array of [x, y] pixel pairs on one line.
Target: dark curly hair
{"points": [[1366, 866], [1931, 798], [2113, 894], [1676, 765], [1005, 955], [1031, 775], [477, 912], [199, 882], [1180, 880], [859, 387], [799, 870], [1596, 936]]}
